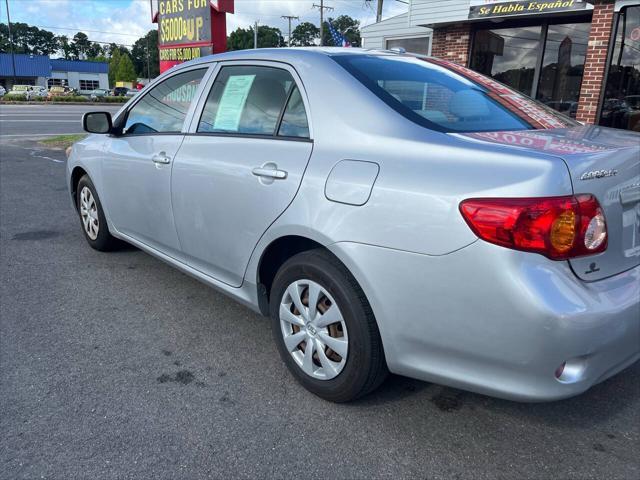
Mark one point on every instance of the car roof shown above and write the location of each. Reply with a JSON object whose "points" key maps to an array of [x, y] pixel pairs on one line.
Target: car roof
{"points": [[287, 54]]}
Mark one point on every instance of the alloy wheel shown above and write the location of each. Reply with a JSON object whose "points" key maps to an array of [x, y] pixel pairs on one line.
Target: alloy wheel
{"points": [[313, 329]]}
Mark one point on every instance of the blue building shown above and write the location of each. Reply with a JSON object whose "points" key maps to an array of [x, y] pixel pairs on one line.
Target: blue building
{"points": [[42, 70]]}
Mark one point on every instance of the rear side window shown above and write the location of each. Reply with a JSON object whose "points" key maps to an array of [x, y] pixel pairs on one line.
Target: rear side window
{"points": [[250, 100], [165, 107], [445, 97], [294, 121]]}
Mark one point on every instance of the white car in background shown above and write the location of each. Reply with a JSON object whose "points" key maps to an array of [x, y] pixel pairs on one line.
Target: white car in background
{"points": [[29, 91], [38, 91], [2, 91]]}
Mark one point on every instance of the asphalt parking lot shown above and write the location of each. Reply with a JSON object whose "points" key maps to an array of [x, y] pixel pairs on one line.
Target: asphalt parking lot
{"points": [[118, 366]]}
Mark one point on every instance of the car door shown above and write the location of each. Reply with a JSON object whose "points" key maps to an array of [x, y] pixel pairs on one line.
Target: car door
{"points": [[137, 165], [240, 165]]}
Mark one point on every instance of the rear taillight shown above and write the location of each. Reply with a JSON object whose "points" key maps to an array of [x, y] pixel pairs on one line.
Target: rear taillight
{"points": [[556, 227]]}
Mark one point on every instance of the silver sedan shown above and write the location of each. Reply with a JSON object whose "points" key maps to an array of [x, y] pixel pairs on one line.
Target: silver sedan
{"points": [[388, 212]]}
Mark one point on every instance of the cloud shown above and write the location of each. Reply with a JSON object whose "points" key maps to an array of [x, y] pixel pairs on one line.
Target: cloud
{"points": [[123, 21]]}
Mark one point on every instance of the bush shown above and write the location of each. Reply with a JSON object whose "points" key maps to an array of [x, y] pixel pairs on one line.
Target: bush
{"points": [[113, 99], [15, 98], [74, 98], [40, 99]]}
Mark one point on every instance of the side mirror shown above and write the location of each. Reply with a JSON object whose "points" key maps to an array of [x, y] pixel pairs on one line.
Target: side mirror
{"points": [[97, 122]]}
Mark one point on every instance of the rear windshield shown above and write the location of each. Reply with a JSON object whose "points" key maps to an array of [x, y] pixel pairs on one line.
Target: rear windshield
{"points": [[444, 96]]}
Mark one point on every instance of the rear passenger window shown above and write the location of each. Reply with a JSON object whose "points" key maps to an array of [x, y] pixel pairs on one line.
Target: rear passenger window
{"points": [[246, 100], [164, 108], [294, 121]]}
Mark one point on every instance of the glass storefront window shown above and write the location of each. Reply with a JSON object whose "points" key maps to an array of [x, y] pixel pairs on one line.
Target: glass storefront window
{"points": [[414, 45], [562, 67], [621, 106], [508, 54], [543, 61]]}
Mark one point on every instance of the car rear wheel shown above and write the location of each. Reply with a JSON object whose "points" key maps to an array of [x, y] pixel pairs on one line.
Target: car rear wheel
{"points": [[94, 223], [325, 329]]}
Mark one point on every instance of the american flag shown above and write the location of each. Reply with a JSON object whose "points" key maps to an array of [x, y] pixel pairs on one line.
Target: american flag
{"points": [[338, 38]]}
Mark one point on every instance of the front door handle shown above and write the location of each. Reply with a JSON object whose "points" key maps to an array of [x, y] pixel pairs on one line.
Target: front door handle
{"points": [[161, 158], [269, 171]]}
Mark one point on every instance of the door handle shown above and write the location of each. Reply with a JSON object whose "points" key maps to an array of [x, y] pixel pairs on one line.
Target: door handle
{"points": [[269, 173], [161, 158]]}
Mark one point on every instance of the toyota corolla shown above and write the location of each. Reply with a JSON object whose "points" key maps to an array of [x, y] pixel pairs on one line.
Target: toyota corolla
{"points": [[388, 212]]}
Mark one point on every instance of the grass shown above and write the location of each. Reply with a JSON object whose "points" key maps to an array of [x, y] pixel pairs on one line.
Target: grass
{"points": [[62, 142]]}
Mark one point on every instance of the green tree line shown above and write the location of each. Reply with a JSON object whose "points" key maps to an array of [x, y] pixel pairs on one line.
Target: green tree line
{"points": [[126, 63]]}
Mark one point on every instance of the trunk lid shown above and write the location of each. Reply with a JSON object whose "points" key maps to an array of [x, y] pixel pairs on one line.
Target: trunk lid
{"points": [[603, 162]]}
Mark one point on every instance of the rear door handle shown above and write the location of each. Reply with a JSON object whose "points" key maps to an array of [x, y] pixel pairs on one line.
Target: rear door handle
{"points": [[269, 173], [161, 158]]}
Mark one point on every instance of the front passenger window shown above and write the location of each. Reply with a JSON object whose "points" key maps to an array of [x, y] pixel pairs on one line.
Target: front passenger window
{"points": [[165, 107]]}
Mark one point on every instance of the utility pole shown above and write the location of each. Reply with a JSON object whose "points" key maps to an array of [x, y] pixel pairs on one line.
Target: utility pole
{"points": [[289, 17], [13, 58], [322, 9], [379, 11], [255, 34], [148, 61]]}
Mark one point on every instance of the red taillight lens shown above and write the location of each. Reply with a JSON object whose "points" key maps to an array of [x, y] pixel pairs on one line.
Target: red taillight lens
{"points": [[556, 227]]}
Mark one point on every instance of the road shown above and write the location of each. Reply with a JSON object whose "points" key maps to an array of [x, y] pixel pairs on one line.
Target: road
{"points": [[114, 365], [23, 121]]}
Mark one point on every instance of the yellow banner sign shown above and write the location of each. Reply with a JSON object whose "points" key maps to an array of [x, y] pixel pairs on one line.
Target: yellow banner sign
{"points": [[184, 21], [528, 7]]}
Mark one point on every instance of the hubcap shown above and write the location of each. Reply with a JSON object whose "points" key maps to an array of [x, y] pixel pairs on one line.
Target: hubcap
{"points": [[89, 213], [313, 329]]}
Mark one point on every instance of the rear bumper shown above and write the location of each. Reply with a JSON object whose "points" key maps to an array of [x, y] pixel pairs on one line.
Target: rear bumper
{"points": [[498, 321]]}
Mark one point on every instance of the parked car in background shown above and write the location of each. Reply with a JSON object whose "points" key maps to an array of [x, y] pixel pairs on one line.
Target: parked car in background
{"points": [[120, 91], [98, 94], [38, 91], [2, 91], [60, 91], [132, 92], [474, 238], [622, 113], [24, 90]]}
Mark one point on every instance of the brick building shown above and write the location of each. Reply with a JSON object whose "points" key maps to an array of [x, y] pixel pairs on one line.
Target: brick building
{"points": [[581, 57]]}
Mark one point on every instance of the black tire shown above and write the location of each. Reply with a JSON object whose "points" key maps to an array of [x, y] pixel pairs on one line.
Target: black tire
{"points": [[104, 241], [365, 367]]}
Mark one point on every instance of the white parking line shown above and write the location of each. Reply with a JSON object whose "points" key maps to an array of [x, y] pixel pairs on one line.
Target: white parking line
{"points": [[34, 153]]}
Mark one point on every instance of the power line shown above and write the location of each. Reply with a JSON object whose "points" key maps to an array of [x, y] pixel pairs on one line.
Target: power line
{"points": [[87, 30]]}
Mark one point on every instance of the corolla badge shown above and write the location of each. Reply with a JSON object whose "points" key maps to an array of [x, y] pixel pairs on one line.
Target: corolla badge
{"points": [[598, 174]]}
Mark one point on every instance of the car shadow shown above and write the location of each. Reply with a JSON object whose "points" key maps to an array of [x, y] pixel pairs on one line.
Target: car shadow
{"points": [[595, 406]]}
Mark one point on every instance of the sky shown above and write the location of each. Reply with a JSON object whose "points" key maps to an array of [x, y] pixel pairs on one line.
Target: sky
{"points": [[123, 21]]}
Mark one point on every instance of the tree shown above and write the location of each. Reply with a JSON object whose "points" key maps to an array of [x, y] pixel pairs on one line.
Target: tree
{"points": [[344, 23], [94, 52], [113, 47], [241, 38], [27, 39], [80, 46], [65, 47], [126, 72], [139, 54], [305, 34], [114, 63]]}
